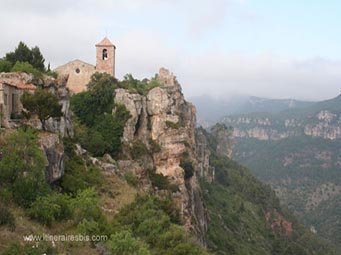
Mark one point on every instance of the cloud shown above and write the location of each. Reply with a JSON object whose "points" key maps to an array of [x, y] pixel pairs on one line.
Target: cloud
{"points": [[154, 33]]}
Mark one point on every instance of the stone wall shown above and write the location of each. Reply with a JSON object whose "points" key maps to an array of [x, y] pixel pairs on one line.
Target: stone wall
{"points": [[79, 74]]}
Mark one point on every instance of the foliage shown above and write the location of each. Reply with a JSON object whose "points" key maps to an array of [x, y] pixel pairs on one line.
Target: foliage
{"points": [[123, 243], [100, 129], [78, 175], [98, 100], [54, 206], [187, 165], [300, 159], [42, 103], [85, 205], [154, 146], [26, 68], [173, 125], [22, 168], [137, 86], [138, 149], [160, 181], [237, 204], [5, 66], [29, 249], [152, 222], [6, 217], [32, 56], [131, 178]]}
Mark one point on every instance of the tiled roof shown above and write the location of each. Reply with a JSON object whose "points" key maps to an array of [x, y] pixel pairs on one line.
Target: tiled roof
{"points": [[105, 42], [18, 84]]}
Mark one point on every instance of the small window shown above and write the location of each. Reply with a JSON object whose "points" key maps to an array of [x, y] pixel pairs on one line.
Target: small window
{"points": [[77, 70], [105, 54]]}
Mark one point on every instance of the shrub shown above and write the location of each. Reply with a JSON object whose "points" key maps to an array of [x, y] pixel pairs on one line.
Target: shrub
{"points": [[154, 146], [29, 249], [85, 206], [139, 149], [136, 86], [187, 165], [131, 179], [123, 243], [5, 66], [89, 227], [103, 125], [6, 217], [78, 176], [26, 68], [158, 180], [50, 208], [173, 125], [22, 168], [161, 182], [42, 103]]}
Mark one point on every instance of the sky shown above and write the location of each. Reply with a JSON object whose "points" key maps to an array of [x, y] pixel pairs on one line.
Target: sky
{"points": [[221, 48]]}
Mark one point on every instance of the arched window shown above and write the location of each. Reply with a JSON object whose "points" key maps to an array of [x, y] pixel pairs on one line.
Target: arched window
{"points": [[105, 54]]}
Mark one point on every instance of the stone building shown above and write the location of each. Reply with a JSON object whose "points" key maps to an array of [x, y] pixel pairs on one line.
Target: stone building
{"points": [[80, 72], [11, 90]]}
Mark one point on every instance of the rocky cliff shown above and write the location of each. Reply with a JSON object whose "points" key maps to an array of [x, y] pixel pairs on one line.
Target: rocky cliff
{"points": [[163, 119], [320, 120]]}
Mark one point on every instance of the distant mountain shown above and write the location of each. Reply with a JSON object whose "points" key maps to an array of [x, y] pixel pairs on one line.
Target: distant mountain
{"points": [[210, 110], [298, 152]]}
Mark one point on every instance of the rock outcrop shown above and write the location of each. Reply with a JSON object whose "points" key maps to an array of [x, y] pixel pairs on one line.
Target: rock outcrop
{"points": [[323, 123], [164, 119], [62, 125], [54, 151]]}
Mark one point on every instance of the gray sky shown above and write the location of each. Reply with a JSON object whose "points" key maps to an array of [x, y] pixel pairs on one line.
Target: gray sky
{"points": [[216, 47]]}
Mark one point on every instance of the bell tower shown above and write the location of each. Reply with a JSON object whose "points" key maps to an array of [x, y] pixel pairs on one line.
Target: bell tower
{"points": [[105, 57]]}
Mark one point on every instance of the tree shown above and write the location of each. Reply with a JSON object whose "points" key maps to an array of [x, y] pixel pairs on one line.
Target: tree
{"points": [[24, 54], [22, 167], [42, 103]]}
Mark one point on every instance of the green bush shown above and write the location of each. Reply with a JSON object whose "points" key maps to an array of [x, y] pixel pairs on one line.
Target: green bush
{"points": [[101, 127], [154, 146], [22, 168], [26, 68], [42, 103], [50, 208], [89, 227], [78, 176], [187, 165], [131, 178], [6, 217], [173, 125], [139, 150], [85, 206], [123, 243], [158, 180], [30, 249], [5, 66], [137, 86], [153, 221]]}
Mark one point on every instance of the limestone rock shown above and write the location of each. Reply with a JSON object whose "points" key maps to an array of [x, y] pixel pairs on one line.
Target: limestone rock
{"points": [[163, 117], [54, 152]]}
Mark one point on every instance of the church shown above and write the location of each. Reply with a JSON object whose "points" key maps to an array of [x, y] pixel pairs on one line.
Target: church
{"points": [[80, 72]]}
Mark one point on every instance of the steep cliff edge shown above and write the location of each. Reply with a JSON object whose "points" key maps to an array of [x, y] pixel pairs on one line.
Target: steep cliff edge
{"points": [[165, 122]]}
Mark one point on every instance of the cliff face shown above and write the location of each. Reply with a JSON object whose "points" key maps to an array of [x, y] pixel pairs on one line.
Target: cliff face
{"points": [[322, 123], [163, 119]]}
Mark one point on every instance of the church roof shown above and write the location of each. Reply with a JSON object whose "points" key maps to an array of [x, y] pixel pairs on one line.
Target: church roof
{"points": [[105, 42]]}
